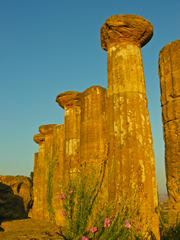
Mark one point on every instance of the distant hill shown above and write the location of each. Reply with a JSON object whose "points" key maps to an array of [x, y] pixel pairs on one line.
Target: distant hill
{"points": [[163, 197]]}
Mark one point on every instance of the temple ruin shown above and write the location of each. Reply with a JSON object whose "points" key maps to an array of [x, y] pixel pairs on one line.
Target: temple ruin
{"points": [[102, 126]]}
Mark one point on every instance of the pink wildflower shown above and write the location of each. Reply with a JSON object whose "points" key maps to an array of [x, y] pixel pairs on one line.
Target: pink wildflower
{"points": [[127, 225], [62, 196], [93, 229], [84, 238], [138, 229], [107, 222], [71, 191], [63, 213]]}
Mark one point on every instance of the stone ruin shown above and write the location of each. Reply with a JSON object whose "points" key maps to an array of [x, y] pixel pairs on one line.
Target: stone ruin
{"points": [[169, 74], [112, 126]]}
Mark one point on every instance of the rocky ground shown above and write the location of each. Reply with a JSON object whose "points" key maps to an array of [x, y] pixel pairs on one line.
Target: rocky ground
{"points": [[28, 229]]}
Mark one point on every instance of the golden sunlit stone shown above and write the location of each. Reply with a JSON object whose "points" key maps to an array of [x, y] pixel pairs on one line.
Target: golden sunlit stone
{"points": [[130, 140], [169, 74]]}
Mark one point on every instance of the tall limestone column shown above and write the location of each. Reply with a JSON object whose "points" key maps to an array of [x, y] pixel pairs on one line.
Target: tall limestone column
{"points": [[38, 178], [48, 168], [131, 151], [169, 73], [58, 150], [94, 142], [49, 158], [70, 101]]}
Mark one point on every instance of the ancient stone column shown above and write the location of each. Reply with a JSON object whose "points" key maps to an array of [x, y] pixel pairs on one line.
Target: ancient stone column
{"points": [[70, 102], [169, 73], [94, 142], [48, 169], [58, 150], [35, 188], [38, 178], [49, 161], [131, 151]]}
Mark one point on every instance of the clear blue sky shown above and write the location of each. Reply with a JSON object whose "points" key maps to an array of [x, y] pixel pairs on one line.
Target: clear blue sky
{"points": [[49, 47]]}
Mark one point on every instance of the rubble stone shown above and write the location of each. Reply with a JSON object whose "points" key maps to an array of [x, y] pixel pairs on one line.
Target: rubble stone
{"points": [[15, 197]]}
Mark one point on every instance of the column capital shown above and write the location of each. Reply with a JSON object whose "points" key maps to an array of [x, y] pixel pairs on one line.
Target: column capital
{"points": [[126, 28], [39, 138], [47, 129], [68, 98]]}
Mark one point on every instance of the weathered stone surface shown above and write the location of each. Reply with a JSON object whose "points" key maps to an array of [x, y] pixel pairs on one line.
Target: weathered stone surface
{"points": [[127, 28], [48, 168], [131, 151], [169, 74], [94, 138], [28, 229], [15, 197], [36, 186], [57, 178], [65, 99], [70, 101], [46, 129], [49, 161], [39, 178], [44, 164], [39, 138]]}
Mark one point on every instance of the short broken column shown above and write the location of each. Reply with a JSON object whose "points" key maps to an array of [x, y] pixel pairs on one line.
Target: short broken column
{"points": [[94, 142], [38, 178], [169, 73], [131, 151], [70, 102]]}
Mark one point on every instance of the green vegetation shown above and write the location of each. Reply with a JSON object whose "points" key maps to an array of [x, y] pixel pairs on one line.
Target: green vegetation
{"points": [[169, 225], [89, 215]]}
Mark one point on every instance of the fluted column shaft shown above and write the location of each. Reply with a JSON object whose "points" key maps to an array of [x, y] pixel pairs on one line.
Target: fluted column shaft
{"points": [[169, 73], [94, 142], [49, 158], [48, 170], [70, 101], [129, 126], [35, 189], [58, 150], [131, 151], [38, 178], [72, 136]]}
